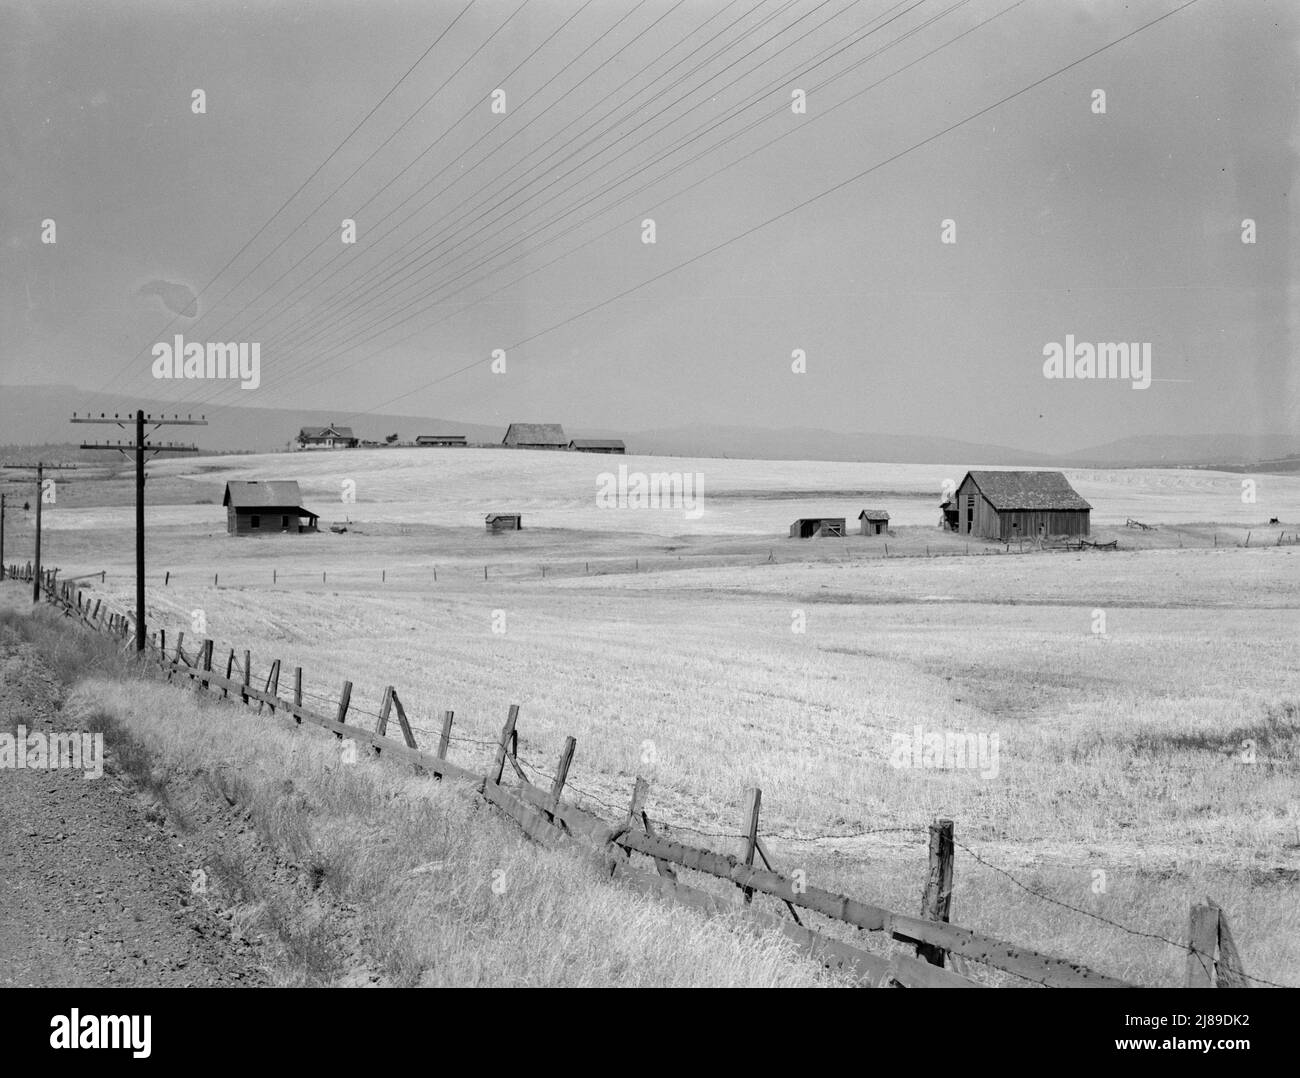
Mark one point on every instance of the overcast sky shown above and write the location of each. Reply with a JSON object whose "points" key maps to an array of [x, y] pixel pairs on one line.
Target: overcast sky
{"points": [[1117, 226]]}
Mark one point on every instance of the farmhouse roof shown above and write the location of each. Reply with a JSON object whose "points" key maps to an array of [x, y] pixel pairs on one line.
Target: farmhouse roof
{"points": [[536, 434], [325, 432], [873, 514], [265, 494], [1027, 490], [597, 443]]}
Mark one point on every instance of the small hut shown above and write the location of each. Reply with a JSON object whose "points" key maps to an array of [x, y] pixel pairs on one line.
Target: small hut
{"points": [[257, 507], [504, 522], [874, 521]]}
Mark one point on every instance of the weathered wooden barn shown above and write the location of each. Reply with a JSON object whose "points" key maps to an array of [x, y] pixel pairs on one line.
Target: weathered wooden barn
{"points": [[330, 437], [874, 521], [807, 527], [598, 445], [1019, 505], [258, 507], [440, 439], [504, 522], [536, 436]]}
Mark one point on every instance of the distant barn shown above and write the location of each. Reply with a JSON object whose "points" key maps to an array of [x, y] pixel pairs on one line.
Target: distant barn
{"points": [[504, 522], [598, 445], [255, 508], [1019, 505], [874, 521], [330, 437], [807, 527], [440, 439], [536, 436]]}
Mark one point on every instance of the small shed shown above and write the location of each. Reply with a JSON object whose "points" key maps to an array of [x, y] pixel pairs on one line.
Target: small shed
{"points": [[808, 527], [535, 436], [257, 507], [440, 439], [598, 445], [1019, 505], [504, 522], [874, 521]]}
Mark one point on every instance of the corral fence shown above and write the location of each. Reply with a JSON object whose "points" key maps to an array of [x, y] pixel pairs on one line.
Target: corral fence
{"points": [[942, 952]]}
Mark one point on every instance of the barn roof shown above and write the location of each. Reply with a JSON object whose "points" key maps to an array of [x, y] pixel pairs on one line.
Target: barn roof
{"points": [[597, 443], [501, 516], [325, 432], [1027, 490], [271, 493], [537, 434], [873, 514], [439, 437]]}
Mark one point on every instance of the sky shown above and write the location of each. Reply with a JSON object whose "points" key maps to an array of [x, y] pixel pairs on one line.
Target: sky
{"points": [[523, 228]]}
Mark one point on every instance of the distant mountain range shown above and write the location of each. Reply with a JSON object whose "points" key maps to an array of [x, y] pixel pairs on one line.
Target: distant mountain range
{"points": [[31, 415]]}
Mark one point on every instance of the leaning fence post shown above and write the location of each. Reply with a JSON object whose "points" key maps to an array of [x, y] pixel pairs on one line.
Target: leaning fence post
{"points": [[753, 799], [381, 723], [297, 694], [562, 775], [345, 698], [635, 810], [230, 668], [444, 741], [499, 761], [936, 899], [272, 685]]}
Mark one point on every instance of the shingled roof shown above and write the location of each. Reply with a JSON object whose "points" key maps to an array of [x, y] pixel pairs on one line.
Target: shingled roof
{"points": [[326, 432], [535, 434], [268, 494], [1027, 490]]}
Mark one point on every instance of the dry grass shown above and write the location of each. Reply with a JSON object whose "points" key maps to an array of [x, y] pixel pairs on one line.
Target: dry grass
{"points": [[448, 892]]}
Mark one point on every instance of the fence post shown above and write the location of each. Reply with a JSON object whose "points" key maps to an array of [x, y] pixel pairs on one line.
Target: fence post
{"points": [[230, 669], [444, 741], [936, 899], [753, 801], [1228, 969], [345, 698], [207, 664], [562, 775], [272, 685], [248, 673], [499, 761], [381, 723], [1202, 942], [297, 694], [635, 810]]}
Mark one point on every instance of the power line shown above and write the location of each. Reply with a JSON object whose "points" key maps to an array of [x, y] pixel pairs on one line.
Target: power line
{"points": [[786, 5], [801, 205]]}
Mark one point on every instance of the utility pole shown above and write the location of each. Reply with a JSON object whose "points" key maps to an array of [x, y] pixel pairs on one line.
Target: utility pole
{"points": [[141, 446], [40, 467]]}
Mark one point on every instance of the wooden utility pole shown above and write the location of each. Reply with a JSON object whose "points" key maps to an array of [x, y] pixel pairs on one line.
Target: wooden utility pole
{"points": [[39, 467], [140, 446]]}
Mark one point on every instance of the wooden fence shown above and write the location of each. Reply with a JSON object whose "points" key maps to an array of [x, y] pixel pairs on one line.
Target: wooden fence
{"points": [[942, 951]]}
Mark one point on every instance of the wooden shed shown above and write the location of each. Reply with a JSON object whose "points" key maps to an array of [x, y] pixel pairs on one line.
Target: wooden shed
{"points": [[807, 527], [1019, 505], [874, 521], [257, 507], [535, 436], [440, 439], [504, 522]]}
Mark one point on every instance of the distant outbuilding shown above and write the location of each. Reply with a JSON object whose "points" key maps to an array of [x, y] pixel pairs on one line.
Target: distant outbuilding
{"points": [[330, 437], [808, 527], [874, 521], [440, 439], [257, 507], [1019, 505], [536, 436], [598, 445], [504, 522]]}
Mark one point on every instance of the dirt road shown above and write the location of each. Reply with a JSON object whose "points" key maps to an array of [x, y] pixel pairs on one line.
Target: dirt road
{"points": [[95, 884]]}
